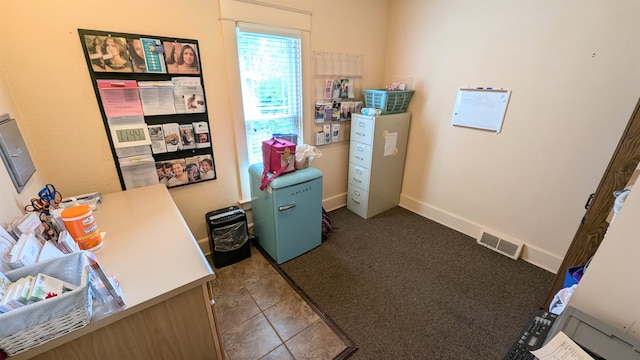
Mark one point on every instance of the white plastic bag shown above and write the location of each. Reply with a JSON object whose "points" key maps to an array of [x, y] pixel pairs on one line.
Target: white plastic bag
{"points": [[561, 299], [304, 154]]}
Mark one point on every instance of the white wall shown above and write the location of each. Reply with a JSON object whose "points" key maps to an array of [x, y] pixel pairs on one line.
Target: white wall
{"points": [[48, 79], [608, 290], [48, 76], [573, 68], [12, 203]]}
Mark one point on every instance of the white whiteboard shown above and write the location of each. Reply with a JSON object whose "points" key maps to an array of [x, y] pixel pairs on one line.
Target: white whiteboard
{"points": [[480, 108]]}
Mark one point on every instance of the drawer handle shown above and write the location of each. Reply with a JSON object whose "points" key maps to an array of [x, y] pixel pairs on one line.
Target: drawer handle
{"points": [[359, 171], [359, 133], [361, 124], [355, 201], [359, 157], [286, 207], [357, 193], [356, 179]]}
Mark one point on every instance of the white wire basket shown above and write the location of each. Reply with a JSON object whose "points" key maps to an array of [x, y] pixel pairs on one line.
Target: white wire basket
{"points": [[45, 320]]}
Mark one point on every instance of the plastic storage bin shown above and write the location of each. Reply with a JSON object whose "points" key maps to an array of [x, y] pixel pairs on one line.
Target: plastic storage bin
{"points": [[43, 321], [390, 102]]}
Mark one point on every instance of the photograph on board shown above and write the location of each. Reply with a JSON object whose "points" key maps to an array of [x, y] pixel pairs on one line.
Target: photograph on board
{"points": [[137, 56], [193, 169], [207, 170], [108, 53], [95, 52], [116, 54], [181, 58], [178, 173], [163, 168]]}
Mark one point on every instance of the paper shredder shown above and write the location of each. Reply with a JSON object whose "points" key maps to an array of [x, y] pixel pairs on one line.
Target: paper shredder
{"points": [[228, 236]]}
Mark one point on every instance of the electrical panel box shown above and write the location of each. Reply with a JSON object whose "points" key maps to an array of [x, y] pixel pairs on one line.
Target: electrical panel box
{"points": [[15, 153]]}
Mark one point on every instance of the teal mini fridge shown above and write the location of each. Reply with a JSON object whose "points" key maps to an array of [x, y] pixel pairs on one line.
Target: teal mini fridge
{"points": [[287, 215]]}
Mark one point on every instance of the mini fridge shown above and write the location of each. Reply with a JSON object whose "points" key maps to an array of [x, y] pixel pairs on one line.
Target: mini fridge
{"points": [[287, 215]]}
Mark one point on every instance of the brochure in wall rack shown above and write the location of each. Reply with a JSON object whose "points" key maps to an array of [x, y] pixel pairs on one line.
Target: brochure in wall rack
{"points": [[163, 92], [154, 55], [119, 97]]}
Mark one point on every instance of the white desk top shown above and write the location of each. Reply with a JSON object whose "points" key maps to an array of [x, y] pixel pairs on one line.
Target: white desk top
{"points": [[149, 248], [148, 245]]}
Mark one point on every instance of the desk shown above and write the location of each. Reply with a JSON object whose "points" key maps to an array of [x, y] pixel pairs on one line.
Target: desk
{"points": [[164, 279]]}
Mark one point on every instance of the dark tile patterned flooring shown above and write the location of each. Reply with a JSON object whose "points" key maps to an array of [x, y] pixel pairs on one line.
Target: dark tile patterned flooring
{"points": [[262, 317]]}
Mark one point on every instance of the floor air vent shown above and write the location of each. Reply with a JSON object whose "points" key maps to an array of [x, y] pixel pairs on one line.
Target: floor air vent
{"points": [[502, 246]]}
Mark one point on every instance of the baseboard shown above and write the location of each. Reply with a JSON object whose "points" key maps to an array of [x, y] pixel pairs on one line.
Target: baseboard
{"points": [[204, 246], [335, 202], [530, 254]]}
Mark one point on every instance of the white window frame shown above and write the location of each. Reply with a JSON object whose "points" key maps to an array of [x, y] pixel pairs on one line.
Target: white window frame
{"points": [[294, 107], [233, 12]]}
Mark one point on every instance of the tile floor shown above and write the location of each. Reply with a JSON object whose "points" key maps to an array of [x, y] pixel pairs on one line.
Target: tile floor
{"points": [[262, 317]]}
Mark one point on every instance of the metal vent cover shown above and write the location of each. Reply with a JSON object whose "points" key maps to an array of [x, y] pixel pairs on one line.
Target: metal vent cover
{"points": [[505, 247]]}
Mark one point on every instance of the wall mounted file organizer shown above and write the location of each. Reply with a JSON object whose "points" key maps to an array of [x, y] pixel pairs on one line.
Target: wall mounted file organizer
{"points": [[14, 153], [337, 89], [152, 101]]}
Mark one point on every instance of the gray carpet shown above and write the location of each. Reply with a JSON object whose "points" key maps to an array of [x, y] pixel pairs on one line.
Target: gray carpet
{"points": [[404, 287]]}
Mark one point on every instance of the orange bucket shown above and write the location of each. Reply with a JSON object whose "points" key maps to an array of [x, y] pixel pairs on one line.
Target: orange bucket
{"points": [[82, 226]]}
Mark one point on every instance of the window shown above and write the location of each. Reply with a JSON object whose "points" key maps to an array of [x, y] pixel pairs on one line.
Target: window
{"points": [[271, 80]]}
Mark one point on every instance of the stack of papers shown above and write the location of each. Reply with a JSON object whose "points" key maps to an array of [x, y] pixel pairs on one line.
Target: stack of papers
{"points": [[561, 347], [6, 244], [66, 244], [26, 251]]}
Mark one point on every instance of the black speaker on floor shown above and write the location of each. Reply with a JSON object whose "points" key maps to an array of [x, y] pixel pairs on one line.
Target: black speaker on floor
{"points": [[228, 236]]}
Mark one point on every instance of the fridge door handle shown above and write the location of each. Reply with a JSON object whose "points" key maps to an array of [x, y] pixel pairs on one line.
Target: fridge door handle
{"points": [[286, 207]]}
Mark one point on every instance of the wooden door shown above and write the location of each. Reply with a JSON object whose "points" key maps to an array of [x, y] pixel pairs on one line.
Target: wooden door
{"points": [[594, 225]]}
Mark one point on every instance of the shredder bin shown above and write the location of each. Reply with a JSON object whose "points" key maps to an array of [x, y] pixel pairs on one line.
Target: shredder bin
{"points": [[228, 236]]}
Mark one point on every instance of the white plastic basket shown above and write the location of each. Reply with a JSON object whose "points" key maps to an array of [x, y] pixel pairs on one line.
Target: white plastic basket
{"points": [[38, 323]]}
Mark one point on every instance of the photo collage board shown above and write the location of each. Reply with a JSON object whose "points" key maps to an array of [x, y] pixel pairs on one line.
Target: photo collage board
{"points": [[152, 100]]}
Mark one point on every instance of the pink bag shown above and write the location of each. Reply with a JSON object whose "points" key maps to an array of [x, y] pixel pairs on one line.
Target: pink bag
{"points": [[278, 157]]}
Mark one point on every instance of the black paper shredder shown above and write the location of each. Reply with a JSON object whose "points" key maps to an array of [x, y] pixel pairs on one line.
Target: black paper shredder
{"points": [[228, 236]]}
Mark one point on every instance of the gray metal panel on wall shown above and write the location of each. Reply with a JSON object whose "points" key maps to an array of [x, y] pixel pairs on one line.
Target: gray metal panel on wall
{"points": [[15, 153]]}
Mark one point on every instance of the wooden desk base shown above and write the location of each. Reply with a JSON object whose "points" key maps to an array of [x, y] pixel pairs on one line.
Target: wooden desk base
{"points": [[182, 327]]}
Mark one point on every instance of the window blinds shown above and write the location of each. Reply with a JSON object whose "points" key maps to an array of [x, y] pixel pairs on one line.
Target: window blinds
{"points": [[271, 80]]}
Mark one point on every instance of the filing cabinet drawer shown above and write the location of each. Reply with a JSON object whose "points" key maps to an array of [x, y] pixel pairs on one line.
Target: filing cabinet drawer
{"points": [[357, 200], [362, 130], [360, 154], [359, 176]]}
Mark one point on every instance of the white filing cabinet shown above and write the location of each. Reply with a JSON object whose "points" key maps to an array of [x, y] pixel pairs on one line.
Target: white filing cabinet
{"points": [[376, 162]]}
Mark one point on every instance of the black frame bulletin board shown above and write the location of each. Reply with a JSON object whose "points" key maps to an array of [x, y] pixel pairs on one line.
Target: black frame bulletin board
{"points": [[152, 101]]}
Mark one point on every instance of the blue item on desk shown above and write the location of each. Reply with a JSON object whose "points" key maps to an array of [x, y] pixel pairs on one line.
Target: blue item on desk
{"points": [[287, 215]]}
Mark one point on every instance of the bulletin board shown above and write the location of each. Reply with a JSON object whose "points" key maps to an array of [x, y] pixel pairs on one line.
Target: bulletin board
{"points": [[481, 108], [151, 97]]}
